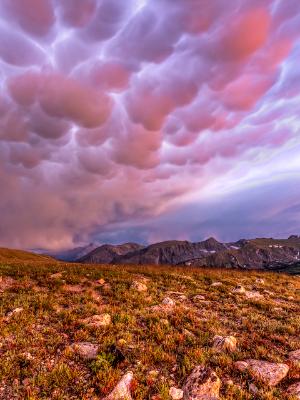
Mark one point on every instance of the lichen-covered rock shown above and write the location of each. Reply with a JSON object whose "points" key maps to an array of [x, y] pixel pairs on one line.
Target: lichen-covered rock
{"points": [[98, 321], [122, 390], [85, 350], [294, 364], [225, 343], [139, 286], [294, 390], [268, 373], [202, 384]]}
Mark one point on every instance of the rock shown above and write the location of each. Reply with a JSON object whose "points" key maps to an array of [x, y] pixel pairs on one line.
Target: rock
{"points": [[253, 389], [260, 281], [17, 310], [122, 390], [239, 289], [202, 384], [98, 321], [227, 343], [57, 275], [122, 342], [294, 390], [197, 298], [139, 286], [86, 350], [167, 301], [101, 281], [294, 364], [175, 394], [263, 371], [215, 284], [253, 295]]}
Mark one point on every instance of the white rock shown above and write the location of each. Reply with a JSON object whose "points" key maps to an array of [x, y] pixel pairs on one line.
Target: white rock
{"points": [[175, 394], [239, 289], [122, 390]]}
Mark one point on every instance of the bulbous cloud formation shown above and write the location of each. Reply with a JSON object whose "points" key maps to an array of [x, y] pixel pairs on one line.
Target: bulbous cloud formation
{"points": [[143, 119]]}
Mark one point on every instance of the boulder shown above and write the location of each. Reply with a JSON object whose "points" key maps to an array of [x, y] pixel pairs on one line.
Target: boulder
{"points": [[263, 371], [225, 343], [122, 390], [202, 384], [294, 364]]}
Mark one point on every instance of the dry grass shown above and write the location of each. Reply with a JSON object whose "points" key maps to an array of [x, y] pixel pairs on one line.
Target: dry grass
{"points": [[37, 364]]}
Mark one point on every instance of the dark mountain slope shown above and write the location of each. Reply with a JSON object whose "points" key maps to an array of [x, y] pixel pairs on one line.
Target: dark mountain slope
{"points": [[106, 253]]}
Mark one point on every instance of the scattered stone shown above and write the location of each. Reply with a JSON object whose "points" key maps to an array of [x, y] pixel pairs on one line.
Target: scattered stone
{"points": [[139, 286], [197, 298], [260, 281], [164, 322], [239, 289], [167, 301], [291, 298], [294, 390], [101, 281], [122, 390], [57, 275], [215, 284], [98, 321], [17, 310], [86, 350], [73, 288], [227, 343], [263, 371], [253, 295], [188, 333], [294, 364], [203, 383], [175, 394]]}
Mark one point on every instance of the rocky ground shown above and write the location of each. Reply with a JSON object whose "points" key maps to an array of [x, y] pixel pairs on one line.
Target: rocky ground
{"points": [[94, 332]]}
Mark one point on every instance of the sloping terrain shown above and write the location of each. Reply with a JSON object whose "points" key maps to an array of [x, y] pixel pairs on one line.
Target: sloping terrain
{"points": [[72, 331], [20, 255]]}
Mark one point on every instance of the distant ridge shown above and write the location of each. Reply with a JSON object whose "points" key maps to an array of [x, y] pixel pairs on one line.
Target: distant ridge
{"points": [[260, 253]]}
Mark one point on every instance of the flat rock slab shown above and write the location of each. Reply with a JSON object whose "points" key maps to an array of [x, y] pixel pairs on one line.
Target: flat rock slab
{"points": [[294, 390], [268, 373]]}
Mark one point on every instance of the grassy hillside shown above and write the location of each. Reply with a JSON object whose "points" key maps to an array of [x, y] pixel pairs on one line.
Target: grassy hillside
{"points": [[13, 255], [46, 308]]}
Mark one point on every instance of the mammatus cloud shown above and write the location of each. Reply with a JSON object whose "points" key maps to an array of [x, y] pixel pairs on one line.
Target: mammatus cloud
{"points": [[130, 119]]}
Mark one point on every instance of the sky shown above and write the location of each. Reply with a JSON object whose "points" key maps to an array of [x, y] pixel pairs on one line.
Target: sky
{"points": [[148, 120]]}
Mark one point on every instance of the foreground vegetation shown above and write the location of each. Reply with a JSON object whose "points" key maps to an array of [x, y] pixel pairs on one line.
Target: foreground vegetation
{"points": [[43, 306]]}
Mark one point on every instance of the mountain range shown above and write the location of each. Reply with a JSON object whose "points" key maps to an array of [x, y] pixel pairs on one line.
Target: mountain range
{"points": [[259, 253]]}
